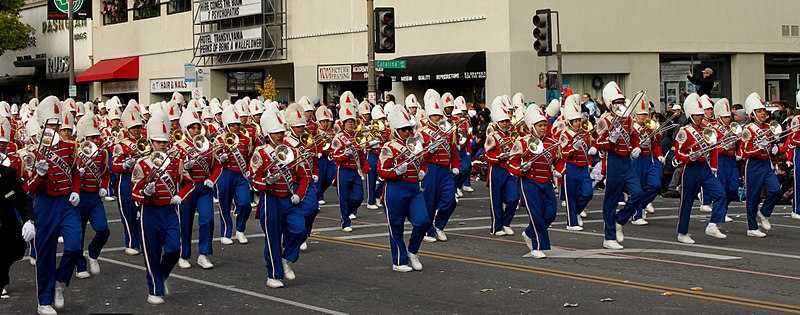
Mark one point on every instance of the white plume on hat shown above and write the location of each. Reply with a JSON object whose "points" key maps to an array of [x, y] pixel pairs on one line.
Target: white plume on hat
{"points": [[216, 107], [554, 108], [80, 109], [188, 118], [87, 126], [295, 116], [377, 112], [323, 113], [572, 108], [14, 109], [67, 121], [25, 113], [722, 108], [753, 102], [5, 130], [114, 112], [49, 111], [611, 92], [692, 105], [498, 110], [158, 127], [411, 101], [33, 103], [194, 105], [461, 104], [242, 108], [271, 122], [398, 117], [131, 117], [172, 110], [230, 116]]}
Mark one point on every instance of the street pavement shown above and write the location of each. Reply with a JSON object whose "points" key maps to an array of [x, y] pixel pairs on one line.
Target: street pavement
{"points": [[472, 273]]}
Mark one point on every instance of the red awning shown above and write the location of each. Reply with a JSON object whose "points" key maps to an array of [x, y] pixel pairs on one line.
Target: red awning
{"points": [[111, 69]]}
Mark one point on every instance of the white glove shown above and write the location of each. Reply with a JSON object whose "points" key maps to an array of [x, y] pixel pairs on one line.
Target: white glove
{"points": [[592, 151], [556, 174], [694, 156], [662, 159], [738, 157], [128, 164], [502, 156], [614, 136], [526, 166], [295, 199], [762, 144], [774, 150], [41, 167], [223, 157], [635, 153], [176, 200], [271, 179], [315, 178], [103, 192], [401, 169], [208, 183], [319, 155], [74, 199], [472, 113], [81, 171], [150, 189], [28, 231], [421, 174], [188, 164], [373, 143], [455, 171], [714, 171]]}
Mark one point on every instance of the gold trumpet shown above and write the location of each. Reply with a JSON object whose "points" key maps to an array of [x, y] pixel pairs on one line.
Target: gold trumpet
{"points": [[178, 135], [143, 147]]}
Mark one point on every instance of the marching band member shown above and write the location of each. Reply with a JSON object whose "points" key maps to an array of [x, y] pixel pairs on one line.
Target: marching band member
{"points": [[307, 162], [758, 167], [253, 126], [9, 149], [233, 186], [621, 145], [708, 121], [173, 111], [413, 109], [441, 158], [204, 170], [793, 144], [327, 168], [374, 184], [308, 110], [95, 175], [282, 187], [577, 148], [727, 169], [216, 127], [160, 185], [535, 172], [502, 184], [402, 196], [464, 145], [648, 164], [54, 185], [351, 165], [123, 159], [698, 171]]}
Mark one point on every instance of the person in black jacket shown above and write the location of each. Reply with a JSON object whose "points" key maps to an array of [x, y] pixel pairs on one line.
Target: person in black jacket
{"points": [[705, 83], [14, 237]]}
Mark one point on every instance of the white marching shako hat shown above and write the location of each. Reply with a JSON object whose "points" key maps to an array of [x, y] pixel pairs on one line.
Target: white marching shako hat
{"points": [[188, 118], [753, 102], [194, 106], [216, 106], [642, 106], [226, 103], [498, 110], [68, 105], [33, 104], [87, 126], [271, 122], [554, 108], [80, 109], [572, 107], [692, 105], [431, 94], [158, 127], [398, 117], [114, 100], [177, 98], [722, 108], [32, 127], [242, 108], [256, 107], [67, 121], [304, 103], [230, 116], [448, 100], [411, 101], [14, 109], [133, 103], [518, 100], [173, 110], [611, 92], [131, 117], [364, 108], [5, 109], [459, 106], [348, 99], [114, 112], [706, 101], [5, 130], [388, 107], [533, 115], [49, 111], [295, 117], [207, 113], [377, 112], [433, 104], [323, 113], [346, 111]]}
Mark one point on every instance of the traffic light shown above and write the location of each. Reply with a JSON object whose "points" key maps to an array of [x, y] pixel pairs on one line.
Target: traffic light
{"points": [[384, 83], [384, 30], [542, 31]]}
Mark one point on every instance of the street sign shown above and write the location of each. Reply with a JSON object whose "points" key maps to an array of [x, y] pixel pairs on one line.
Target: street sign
{"points": [[372, 98], [189, 73], [197, 93], [390, 64], [73, 91]]}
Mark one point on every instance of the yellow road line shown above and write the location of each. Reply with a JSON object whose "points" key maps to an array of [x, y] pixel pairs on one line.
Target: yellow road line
{"points": [[580, 277]]}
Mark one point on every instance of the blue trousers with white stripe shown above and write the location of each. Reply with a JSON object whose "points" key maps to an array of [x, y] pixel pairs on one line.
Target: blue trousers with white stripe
{"points": [[439, 191], [796, 198], [541, 204], [402, 200], [327, 173], [696, 175], [91, 210], [233, 190], [201, 201], [577, 191], [465, 169], [374, 184], [504, 196], [350, 187], [161, 242], [620, 178], [758, 174], [128, 212], [280, 218], [649, 171], [55, 216]]}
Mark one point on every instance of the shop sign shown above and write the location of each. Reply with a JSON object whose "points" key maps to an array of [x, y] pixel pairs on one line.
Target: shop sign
{"points": [[120, 87], [777, 76], [215, 10], [59, 9], [345, 72], [57, 64], [230, 41], [170, 85]]}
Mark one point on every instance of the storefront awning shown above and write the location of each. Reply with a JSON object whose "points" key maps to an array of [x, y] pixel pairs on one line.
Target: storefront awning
{"points": [[111, 69], [469, 65]]}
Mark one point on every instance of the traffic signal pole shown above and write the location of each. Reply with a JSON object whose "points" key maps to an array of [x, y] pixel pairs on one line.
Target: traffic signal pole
{"points": [[70, 25], [558, 57], [371, 88]]}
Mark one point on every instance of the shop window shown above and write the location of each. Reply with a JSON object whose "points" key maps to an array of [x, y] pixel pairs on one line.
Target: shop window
{"points": [[245, 82], [114, 11], [143, 9], [178, 6], [675, 86]]}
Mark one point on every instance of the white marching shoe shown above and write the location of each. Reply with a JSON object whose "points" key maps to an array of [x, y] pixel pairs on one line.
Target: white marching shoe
{"points": [[32, 261], [204, 263], [756, 233], [713, 231], [225, 240], [109, 198], [401, 268], [639, 222], [46, 310], [764, 222], [459, 193], [58, 301], [583, 214], [321, 202], [620, 235], [83, 275], [131, 251], [685, 238], [508, 230], [184, 264], [612, 244], [155, 299], [353, 216], [528, 241], [288, 273], [304, 246], [94, 266], [467, 189], [575, 228], [649, 208], [563, 203], [347, 229], [274, 283], [414, 260], [440, 236], [705, 208], [378, 202], [372, 207], [795, 216], [241, 238], [728, 218], [429, 239], [538, 254], [499, 233]]}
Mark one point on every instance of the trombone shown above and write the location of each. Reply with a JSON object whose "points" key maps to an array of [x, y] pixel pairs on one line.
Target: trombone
{"points": [[412, 151], [47, 139], [709, 137]]}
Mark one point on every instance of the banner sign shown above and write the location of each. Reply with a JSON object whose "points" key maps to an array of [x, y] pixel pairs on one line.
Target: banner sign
{"points": [[230, 41], [215, 10], [59, 9]]}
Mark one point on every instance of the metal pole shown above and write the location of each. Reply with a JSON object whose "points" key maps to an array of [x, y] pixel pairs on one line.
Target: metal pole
{"points": [[70, 26], [558, 57], [371, 88]]}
